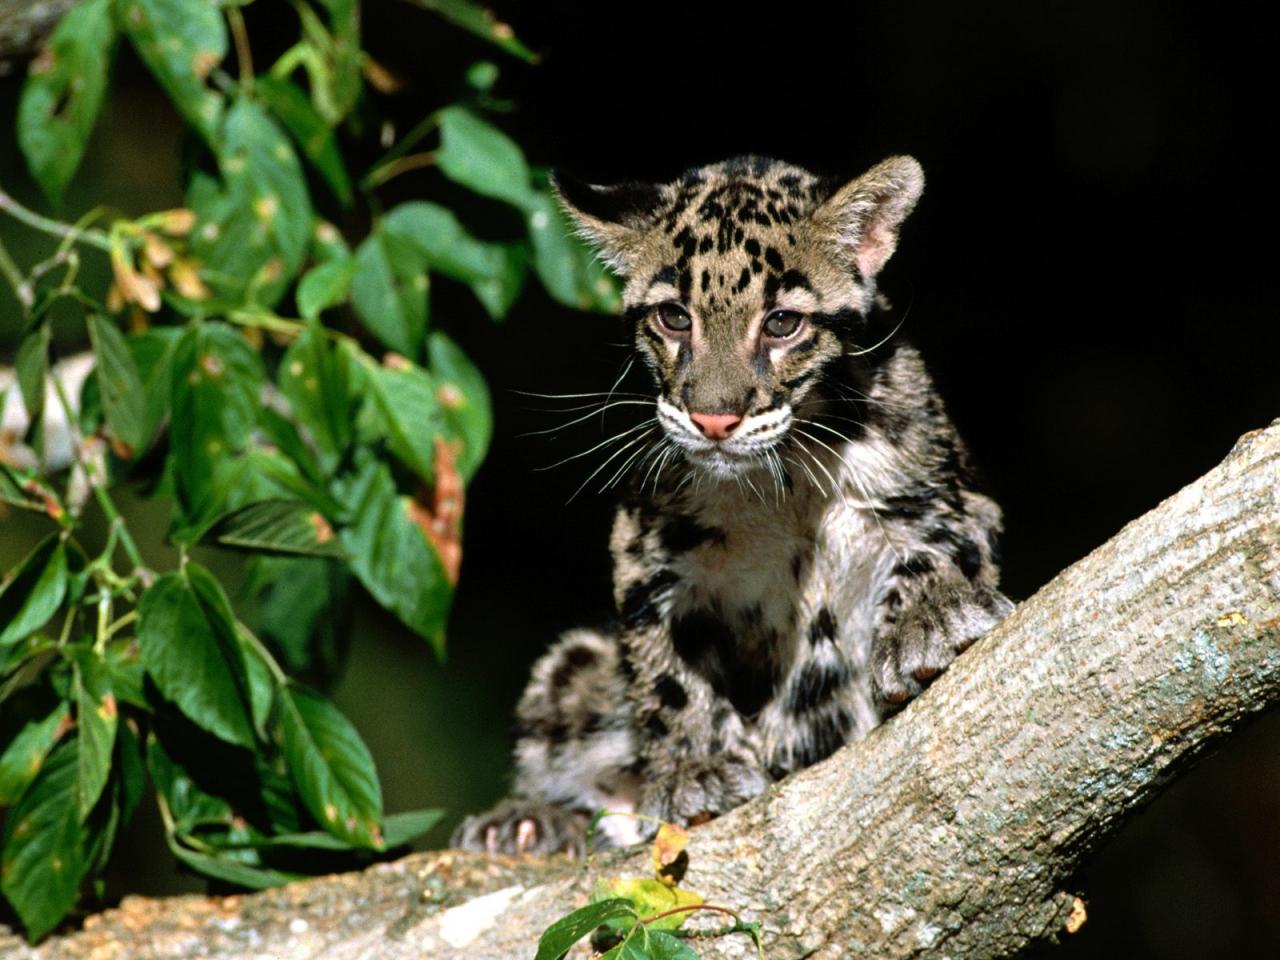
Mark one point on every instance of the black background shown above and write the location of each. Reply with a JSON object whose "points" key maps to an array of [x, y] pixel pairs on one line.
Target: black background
{"points": [[1089, 274]]}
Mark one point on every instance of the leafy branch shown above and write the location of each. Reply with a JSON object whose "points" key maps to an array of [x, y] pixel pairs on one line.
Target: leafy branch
{"points": [[282, 391]]}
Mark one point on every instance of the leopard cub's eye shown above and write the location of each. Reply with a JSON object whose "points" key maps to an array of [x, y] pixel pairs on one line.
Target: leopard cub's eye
{"points": [[673, 317], [782, 324]]}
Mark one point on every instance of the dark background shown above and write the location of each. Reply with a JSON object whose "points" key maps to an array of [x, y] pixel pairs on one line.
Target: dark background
{"points": [[1090, 274]]}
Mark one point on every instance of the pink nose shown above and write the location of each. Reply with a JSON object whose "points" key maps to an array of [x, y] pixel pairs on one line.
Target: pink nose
{"points": [[717, 426]]}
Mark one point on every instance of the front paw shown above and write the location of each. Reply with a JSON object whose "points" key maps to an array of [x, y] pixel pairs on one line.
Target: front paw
{"points": [[524, 826], [700, 788], [928, 635]]}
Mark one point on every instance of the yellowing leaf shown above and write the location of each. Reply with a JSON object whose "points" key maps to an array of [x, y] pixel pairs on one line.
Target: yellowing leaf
{"points": [[667, 847], [651, 897]]}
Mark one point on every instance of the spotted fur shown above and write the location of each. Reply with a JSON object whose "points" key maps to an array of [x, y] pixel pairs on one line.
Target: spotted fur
{"points": [[803, 551]]}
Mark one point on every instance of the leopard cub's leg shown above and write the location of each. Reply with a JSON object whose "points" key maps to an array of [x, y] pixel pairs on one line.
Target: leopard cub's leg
{"points": [[575, 754]]}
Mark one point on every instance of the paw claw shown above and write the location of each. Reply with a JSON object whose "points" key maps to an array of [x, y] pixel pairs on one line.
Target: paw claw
{"points": [[526, 835], [698, 789], [517, 826], [928, 637]]}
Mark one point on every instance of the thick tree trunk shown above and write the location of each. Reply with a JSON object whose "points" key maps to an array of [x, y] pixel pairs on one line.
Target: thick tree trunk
{"points": [[949, 831]]}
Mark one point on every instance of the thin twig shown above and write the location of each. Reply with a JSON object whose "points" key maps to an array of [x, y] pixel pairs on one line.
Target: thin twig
{"points": [[415, 161], [55, 227]]}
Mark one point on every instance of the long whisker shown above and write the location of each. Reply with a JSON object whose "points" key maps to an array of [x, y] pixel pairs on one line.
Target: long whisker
{"points": [[662, 449], [754, 489], [641, 451], [622, 376], [887, 337], [577, 396], [603, 443], [662, 463], [595, 408], [817, 461], [823, 426], [613, 456], [812, 479], [872, 503]]}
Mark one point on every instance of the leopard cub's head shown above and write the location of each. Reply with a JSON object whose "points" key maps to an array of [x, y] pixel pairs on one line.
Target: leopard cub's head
{"points": [[744, 280]]}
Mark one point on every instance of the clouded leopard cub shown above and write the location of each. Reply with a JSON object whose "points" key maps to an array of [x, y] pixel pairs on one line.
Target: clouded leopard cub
{"points": [[811, 552]]}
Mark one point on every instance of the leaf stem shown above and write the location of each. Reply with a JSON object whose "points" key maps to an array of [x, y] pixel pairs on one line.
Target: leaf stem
{"points": [[104, 622], [393, 168], [14, 277], [99, 491], [54, 227], [261, 650], [120, 624], [244, 56], [690, 908], [275, 323]]}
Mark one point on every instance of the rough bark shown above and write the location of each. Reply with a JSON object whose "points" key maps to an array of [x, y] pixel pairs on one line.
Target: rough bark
{"points": [[24, 24], [950, 831]]}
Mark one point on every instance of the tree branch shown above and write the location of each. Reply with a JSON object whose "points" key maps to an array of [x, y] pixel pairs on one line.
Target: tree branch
{"points": [[949, 830], [25, 23]]}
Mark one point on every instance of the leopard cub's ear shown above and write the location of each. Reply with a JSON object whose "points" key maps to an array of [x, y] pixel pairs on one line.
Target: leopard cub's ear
{"points": [[862, 218], [614, 219]]}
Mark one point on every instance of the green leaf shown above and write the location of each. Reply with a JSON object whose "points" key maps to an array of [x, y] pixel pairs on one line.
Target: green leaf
{"points": [[63, 94], [327, 243], [494, 271], [253, 228], [565, 932], [11, 489], [276, 526], [123, 400], [334, 69], [131, 772], [96, 719], [331, 767], [401, 828], [123, 665], [25, 755], [271, 474], [188, 805], [120, 799], [300, 604], [325, 286], [309, 130], [228, 870], [33, 591], [391, 555], [152, 353], [190, 648], [389, 291], [181, 42], [569, 270], [480, 21], [261, 682], [464, 401], [314, 379], [645, 943], [31, 366], [217, 379], [406, 411], [482, 158], [398, 829], [44, 857]]}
